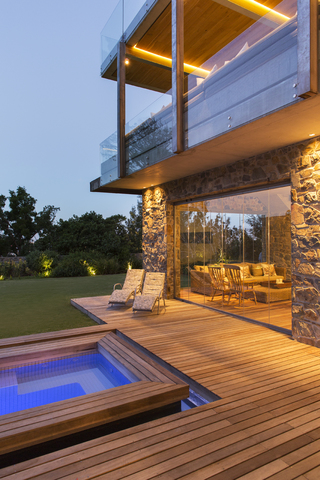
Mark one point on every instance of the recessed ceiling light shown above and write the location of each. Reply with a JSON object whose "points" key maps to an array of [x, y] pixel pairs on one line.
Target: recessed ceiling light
{"points": [[311, 134]]}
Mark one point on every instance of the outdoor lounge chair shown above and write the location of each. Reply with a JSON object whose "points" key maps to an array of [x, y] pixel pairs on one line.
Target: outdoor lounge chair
{"points": [[131, 286], [153, 290]]}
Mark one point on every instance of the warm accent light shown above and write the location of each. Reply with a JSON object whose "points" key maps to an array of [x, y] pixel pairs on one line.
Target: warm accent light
{"points": [[311, 134], [259, 9], [166, 61], [127, 61]]}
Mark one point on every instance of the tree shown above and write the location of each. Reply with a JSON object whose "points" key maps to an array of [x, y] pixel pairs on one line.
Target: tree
{"points": [[21, 222], [134, 228], [86, 233]]}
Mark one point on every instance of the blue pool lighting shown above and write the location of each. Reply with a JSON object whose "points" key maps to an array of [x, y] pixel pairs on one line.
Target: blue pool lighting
{"points": [[43, 383]]}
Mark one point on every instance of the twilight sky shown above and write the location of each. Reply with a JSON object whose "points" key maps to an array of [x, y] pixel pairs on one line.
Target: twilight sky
{"points": [[55, 108]]}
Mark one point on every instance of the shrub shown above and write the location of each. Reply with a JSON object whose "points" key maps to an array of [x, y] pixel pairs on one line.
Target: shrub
{"points": [[135, 262], [106, 266], [13, 269], [71, 266], [42, 263]]}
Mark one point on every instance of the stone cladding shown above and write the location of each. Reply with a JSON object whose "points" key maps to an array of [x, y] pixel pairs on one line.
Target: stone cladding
{"points": [[297, 164]]}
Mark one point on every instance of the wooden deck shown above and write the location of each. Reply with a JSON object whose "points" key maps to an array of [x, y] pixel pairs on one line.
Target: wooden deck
{"points": [[266, 424], [275, 313]]}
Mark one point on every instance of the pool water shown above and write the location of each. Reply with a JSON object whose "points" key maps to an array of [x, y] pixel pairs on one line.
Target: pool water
{"points": [[194, 400], [43, 383]]}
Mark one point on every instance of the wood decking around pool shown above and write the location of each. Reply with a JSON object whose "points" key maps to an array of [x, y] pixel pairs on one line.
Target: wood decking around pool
{"points": [[266, 424], [152, 388]]}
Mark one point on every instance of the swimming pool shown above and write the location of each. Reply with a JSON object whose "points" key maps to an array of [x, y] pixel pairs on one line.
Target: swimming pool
{"points": [[52, 381]]}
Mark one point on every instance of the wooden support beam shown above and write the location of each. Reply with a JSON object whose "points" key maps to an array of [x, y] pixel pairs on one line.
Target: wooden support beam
{"points": [[307, 48], [121, 109], [177, 23]]}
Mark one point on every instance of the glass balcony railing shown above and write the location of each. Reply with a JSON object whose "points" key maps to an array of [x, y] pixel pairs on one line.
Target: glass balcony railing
{"points": [[253, 75], [117, 24], [149, 135], [148, 140], [112, 32], [108, 156]]}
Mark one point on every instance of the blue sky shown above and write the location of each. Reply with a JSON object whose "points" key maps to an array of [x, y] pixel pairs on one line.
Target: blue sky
{"points": [[55, 108]]}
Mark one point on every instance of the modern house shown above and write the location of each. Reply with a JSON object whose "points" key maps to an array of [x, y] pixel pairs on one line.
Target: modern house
{"points": [[227, 157]]}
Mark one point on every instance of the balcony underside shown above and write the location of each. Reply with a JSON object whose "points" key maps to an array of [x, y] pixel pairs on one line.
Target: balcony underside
{"points": [[208, 27], [285, 127]]}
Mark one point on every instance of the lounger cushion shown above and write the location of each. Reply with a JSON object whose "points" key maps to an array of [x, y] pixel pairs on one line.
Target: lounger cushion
{"points": [[121, 296], [144, 302]]}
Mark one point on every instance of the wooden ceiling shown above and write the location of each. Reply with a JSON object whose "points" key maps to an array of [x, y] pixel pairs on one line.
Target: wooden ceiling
{"points": [[209, 26]]}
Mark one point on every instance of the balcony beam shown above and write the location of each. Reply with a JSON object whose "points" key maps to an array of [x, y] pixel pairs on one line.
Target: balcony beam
{"points": [[121, 109], [177, 23], [307, 48]]}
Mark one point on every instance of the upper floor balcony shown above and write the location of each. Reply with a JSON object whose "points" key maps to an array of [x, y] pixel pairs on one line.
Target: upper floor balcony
{"points": [[247, 82]]}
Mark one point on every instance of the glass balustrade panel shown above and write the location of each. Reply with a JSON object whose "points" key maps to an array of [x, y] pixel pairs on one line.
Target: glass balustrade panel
{"points": [[149, 133], [249, 70], [108, 158], [111, 33]]}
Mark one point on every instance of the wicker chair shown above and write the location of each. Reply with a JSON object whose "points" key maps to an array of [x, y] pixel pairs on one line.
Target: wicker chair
{"points": [[218, 282], [200, 282], [131, 286], [152, 292], [237, 287]]}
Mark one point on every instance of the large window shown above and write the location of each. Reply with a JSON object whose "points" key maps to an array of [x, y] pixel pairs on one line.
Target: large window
{"points": [[234, 254]]}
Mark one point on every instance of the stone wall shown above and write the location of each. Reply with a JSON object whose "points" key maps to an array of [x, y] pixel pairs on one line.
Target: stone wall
{"points": [[298, 164], [280, 245], [305, 223]]}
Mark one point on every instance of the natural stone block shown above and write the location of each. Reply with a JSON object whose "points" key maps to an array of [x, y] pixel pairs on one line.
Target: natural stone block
{"points": [[312, 315], [306, 294], [303, 330], [294, 195], [297, 216], [306, 269], [297, 309]]}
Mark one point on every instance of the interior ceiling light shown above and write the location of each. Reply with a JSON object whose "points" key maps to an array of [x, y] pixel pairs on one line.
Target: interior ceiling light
{"points": [[166, 61], [311, 134], [259, 9]]}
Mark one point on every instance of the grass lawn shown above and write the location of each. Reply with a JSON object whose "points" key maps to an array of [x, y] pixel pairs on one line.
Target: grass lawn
{"points": [[36, 305]]}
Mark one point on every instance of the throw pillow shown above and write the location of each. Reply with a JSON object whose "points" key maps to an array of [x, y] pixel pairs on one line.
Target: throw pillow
{"points": [[245, 271], [257, 270], [268, 269]]}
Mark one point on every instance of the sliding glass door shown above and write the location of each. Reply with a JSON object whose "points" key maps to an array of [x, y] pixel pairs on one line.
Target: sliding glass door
{"points": [[246, 235]]}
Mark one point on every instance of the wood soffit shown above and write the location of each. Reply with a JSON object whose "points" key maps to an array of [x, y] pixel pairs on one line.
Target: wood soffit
{"points": [[209, 26]]}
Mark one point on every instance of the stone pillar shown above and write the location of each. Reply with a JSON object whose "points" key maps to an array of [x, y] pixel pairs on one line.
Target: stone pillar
{"points": [[157, 235], [305, 224]]}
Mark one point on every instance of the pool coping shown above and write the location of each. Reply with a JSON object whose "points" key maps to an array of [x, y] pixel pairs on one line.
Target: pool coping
{"points": [[156, 388]]}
